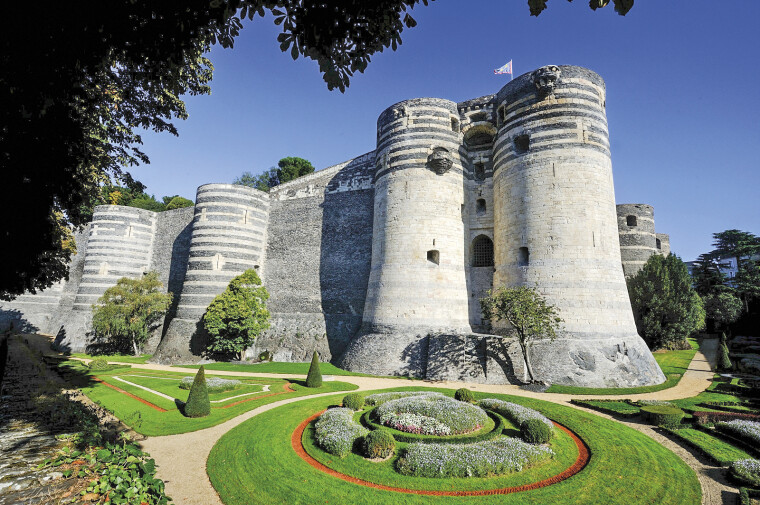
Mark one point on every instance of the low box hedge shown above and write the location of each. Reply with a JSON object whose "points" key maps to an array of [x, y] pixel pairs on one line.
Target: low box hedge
{"points": [[663, 415]]}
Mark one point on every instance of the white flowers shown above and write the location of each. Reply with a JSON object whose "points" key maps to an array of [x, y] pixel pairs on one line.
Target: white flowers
{"points": [[747, 470], [336, 431], [481, 459], [380, 398], [514, 412], [433, 414], [213, 384], [749, 430]]}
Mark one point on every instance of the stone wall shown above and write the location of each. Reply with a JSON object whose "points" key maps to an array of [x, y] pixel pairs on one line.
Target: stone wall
{"points": [[636, 234]]}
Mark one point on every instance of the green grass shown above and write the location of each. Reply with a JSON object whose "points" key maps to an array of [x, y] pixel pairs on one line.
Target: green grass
{"points": [[673, 364], [255, 464], [170, 386], [122, 358], [719, 450], [610, 407], [283, 368], [712, 394], [149, 421]]}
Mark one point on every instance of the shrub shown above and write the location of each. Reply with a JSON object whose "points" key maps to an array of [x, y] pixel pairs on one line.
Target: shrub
{"points": [[266, 356], [663, 415], [535, 431], [353, 401], [314, 377], [336, 431], [379, 444], [431, 415], [198, 404], [747, 471], [645, 403], [749, 431], [482, 459], [213, 384], [514, 412], [724, 362], [99, 363], [464, 395], [709, 418]]}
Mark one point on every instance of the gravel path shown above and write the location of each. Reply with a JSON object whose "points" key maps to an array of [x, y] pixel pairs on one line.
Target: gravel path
{"points": [[182, 458]]}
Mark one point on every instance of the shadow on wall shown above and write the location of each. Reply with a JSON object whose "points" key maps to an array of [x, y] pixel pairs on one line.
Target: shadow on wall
{"points": [[177, 271], [14, 319], [345, 256]]}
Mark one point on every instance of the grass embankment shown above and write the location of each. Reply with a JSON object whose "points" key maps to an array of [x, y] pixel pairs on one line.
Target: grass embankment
{"points": [[121, 358], [255, 464], [720, 451], [673, 364], [148, 421], [283, 368]]}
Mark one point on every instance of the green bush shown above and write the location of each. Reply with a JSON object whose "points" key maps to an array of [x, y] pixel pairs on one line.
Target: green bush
{"points": [[198, 404], [99, 363], [663, 415], [724, 362], [464, 395], [379, 444], [353, 401], [266, 356], [746, 471], [535, 431], [314, 377]]}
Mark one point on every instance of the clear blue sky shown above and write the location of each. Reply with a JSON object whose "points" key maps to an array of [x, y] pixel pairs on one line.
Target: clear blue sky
{"points": [[683, 102]]}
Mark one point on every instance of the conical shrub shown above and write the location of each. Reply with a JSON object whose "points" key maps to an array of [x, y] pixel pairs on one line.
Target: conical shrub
{"points": [[314, 378], [198, 404], [724, 362]]}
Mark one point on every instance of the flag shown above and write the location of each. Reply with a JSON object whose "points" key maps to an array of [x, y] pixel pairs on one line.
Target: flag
{"points": [[506, 69]]}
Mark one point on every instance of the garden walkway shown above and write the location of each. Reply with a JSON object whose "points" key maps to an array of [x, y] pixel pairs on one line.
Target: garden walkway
{"points": [[182, 458]]}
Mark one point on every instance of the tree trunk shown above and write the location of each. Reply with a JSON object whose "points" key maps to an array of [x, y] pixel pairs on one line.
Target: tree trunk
{"points": [[134, 348], [527, 362]]}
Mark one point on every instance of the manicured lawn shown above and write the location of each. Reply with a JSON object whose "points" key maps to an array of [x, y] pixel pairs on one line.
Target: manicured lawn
{"points": [[122, 358], [254, 463], [280, 367], [170, 386], [611, 407], [712, 394], [719, 450], [673, 364]]}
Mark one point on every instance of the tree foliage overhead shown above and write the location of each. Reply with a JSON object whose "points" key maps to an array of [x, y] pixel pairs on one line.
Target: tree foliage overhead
{"points": [[128, 312], [237, 316], [621, 6], [287, 169], [527, 312], [666, 307], [83, 77]]}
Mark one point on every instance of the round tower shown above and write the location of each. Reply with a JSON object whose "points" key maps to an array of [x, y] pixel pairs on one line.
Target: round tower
{"points": [[417, 282], [555, 226], [638, 240], [663, 243], [228, 237]]}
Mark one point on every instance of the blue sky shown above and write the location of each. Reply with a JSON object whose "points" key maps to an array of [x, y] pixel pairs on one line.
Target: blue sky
{"points": [[683, 103]]}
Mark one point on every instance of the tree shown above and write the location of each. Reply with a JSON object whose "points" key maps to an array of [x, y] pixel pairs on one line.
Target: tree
{"points": [[666, 307], [177, 202], [128, 312], [198, 404], [89, 75], [621, 6], [707, 276], [529, 314], [314, 377], [745, 248], [237, 316], [287, 169], [722, 308]]}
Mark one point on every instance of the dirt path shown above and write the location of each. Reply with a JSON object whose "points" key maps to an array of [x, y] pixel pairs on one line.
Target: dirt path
{"points": [[182, 458]]}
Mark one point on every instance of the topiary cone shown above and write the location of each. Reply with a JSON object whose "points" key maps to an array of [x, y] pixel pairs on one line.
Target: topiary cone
{"points": [[314, 378], [198, 404], [724, 362]]}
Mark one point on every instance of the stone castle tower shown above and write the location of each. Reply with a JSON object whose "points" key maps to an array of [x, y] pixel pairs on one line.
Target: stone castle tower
{"points": [[379, 262]]}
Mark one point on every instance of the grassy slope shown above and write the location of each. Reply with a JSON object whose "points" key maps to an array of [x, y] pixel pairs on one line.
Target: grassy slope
{"points": [[672, 363], [122, 358], [255, 464], [719, 450]]}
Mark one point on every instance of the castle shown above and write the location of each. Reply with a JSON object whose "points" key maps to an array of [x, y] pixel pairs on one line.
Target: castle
{"points": [[379, 262]]}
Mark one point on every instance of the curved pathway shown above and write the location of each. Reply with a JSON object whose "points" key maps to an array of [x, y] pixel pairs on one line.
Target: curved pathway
{"points": [[182, 458]]}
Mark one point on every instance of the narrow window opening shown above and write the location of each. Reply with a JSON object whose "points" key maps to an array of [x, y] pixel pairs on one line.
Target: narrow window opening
{"points": [[434, 256], [523, 257], [455, 125], [501, 116], [480, 172], [659, 244], [482, 252], [631, 220], [522, 143], [480, 206]]}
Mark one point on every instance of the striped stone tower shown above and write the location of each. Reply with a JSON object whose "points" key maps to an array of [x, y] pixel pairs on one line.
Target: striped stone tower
{"points": [[638, 241], [417, 280], [120, 244], [228, 237], [555, 226]]}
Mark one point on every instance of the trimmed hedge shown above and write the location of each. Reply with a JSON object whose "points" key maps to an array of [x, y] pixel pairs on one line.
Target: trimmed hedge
{"points": [[464, 395], [213, 384], [314, 377], [746, 471], [724, 362], [747, 495], [100, 363], [379, 444], [198, 404], [353, 401], [708, 418], [663, 415], [535, 431], [400, 436]]}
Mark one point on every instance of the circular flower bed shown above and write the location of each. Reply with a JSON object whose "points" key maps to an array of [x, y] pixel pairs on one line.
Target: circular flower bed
{"points": [[433, 414], [213, 384]]}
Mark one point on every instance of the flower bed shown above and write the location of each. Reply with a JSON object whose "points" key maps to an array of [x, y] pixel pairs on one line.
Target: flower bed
{"points": [[380, 398], [709, 418], [514, 412], [747, 471], [213, 384], [430, 415], [482, 459], [748, 431], [491, 430], [336, 431]]}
